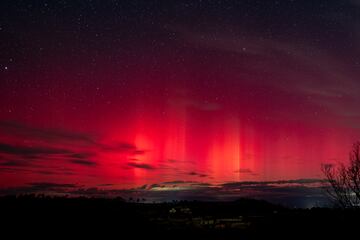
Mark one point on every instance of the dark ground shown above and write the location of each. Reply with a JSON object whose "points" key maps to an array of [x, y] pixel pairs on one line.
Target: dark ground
{"points": [[49, 217]]}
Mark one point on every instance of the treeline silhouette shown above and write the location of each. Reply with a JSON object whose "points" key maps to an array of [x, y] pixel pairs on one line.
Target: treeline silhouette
{"points": [[35, 215]]}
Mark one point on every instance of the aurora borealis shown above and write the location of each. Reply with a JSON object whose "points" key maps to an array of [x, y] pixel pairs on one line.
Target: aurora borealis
{"points": [[122, 94]]}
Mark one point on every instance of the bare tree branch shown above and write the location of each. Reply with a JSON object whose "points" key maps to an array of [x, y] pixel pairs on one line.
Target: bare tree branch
{"points": [[344, 180]]}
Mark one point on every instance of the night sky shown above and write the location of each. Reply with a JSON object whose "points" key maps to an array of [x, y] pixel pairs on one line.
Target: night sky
{"points": [[164, 96]]}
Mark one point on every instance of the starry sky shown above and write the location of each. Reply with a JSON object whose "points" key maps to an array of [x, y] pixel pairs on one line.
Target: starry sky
{"points": [[165, 95]]}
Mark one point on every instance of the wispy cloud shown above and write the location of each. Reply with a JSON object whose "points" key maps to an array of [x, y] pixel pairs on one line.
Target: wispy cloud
{"points": [[84, 162], [39, 187], [318, 75], [61, 147], [45, 134], [197, 174], [141, 166], [298, 192], [26, 151]]}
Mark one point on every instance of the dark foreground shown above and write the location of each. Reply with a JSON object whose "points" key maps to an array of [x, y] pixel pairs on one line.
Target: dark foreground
{"points": [[244, 219]]}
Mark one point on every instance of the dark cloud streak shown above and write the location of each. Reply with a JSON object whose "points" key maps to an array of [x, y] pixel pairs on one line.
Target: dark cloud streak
{"points": [[141, 166], [84, 162], [45, 134], [24, 150]]}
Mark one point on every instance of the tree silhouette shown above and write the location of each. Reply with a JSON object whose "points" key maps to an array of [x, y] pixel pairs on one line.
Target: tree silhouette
{"points": [[344, 180]]}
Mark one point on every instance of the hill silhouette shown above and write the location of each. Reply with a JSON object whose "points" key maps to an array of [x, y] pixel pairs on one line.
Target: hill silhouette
{"points": [[33, 215]]}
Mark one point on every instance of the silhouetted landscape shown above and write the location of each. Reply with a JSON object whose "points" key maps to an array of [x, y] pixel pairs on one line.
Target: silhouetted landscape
{"points": [[244, 218]]}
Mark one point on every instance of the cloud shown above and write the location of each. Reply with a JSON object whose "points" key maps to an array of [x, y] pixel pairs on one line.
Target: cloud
{"points": [[59, 136], [181, 185], [318, 75], [84, 162], [56, 145], [47, 172], [29, 157], [141, 166], [298, 192], [82, 159], [24, 150], [155, 185], [15, 163], [49, 185], [174, 161], [139, 152], [106, 185], [197, 174], [80, 155], [46, 134], [39, 187], [122, 147], [177, 182], [20, 158], [238, 185], [17, 168], [197, 184]]}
